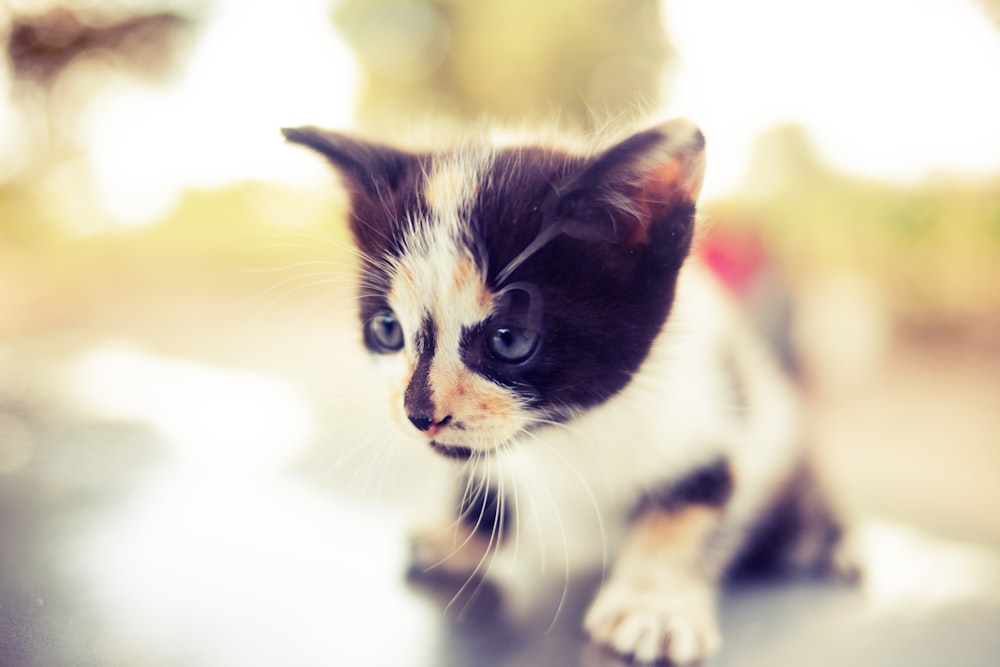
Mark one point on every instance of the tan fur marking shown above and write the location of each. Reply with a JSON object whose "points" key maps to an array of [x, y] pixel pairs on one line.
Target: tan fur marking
{"points": [[445, 387], [659, 603], [408, 276], [660, 187], [477, 405], [666, 177], [678, 536], [446, 188], [486, 300], [463, 274], [405, 281], [467, 284]]}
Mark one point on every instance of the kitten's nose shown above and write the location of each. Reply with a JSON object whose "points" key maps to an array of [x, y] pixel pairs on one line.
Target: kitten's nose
{"points": [[424, 423]]}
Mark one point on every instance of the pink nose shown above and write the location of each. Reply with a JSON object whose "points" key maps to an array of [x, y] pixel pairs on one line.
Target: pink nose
{"points": [[427, 424]]}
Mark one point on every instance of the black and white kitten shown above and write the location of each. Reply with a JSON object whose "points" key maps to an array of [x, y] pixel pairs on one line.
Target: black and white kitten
{"points": [[542, 326]]}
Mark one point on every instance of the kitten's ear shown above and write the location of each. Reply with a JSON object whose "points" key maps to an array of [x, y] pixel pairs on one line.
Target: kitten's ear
{"points": [[368, 169], [373, 174], [631, 186]]}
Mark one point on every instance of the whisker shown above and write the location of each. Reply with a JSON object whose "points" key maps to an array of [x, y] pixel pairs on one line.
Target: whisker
{"points": [[595, 506], [386, 457], [364, 466], [311, 242], [298, 265], [543, 485], [289, 292], [463, 516], [315, 241], [492, 547], [517, 514]]}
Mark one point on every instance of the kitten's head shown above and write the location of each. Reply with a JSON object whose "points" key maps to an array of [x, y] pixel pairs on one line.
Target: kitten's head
{"points": [[510, 287]]}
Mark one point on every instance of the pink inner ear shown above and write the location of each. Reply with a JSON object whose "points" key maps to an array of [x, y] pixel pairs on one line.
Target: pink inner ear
{"points": [[663, 179], [675, 175], [663, 185]]}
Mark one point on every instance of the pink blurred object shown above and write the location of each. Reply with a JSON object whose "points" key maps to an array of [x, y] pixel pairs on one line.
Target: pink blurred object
{"points": [[740, 259], [737, 257]]}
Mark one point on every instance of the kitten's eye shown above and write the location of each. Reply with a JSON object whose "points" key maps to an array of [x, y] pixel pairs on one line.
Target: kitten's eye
{"points": [[511, 346], [386, 332]]}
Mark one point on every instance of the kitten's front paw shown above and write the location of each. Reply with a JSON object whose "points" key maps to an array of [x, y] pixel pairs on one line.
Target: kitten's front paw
{"points": [[453, 552], [651, 623]]}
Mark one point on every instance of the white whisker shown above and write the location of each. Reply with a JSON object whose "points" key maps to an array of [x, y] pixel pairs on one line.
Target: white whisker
{"points": [[516, 515], [493, 546], [544, 486]]}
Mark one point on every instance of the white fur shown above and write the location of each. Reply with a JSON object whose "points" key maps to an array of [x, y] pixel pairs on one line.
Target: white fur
{"points": [[571, 485]]}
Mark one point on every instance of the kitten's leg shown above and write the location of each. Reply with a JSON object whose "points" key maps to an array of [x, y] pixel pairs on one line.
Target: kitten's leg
{"points": [[458, 544], [798, 532], [659, 602]]}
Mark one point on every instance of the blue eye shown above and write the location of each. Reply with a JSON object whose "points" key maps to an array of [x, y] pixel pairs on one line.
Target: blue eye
{"points": [[385, 332], [511, 346]]}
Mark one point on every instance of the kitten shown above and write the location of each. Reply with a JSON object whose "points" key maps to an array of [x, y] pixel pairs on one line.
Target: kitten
{"points": [[544, 328]]}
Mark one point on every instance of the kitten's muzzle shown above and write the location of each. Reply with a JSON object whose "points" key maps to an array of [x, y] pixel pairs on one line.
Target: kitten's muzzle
{"points": [[431, 428]]}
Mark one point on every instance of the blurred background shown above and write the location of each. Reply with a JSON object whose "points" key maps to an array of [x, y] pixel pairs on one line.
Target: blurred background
{"points": [[174, 285]]}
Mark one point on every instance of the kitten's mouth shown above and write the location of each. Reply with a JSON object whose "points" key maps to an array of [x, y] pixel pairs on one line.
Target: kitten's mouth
{"points": [[451, 451]]}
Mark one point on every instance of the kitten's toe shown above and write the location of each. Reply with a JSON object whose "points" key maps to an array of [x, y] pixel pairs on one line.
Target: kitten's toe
{"points": [[447, 552], [654, 624]]}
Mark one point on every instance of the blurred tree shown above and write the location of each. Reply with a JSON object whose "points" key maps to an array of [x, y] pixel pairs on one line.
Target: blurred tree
{"points": [[41, 47], [62, 56], [583, 60]]}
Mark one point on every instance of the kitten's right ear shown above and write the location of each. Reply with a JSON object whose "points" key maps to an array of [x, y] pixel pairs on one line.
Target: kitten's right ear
{"points": [[368, 169], [627, 189]]}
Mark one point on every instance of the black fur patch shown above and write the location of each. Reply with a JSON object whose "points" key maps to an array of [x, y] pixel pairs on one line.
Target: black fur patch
{"points": [[605, 299], [451, 451], [796, 535], [418, 398], [710, 485], [481, 509]]}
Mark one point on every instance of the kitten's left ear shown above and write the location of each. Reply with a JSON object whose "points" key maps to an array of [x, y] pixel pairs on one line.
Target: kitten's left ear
{"points": [[631, 186], [372, 173], [368, 169]]}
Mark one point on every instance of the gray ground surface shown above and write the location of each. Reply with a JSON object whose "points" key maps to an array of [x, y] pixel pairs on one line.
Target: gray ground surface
{"points": [[144, 520]]}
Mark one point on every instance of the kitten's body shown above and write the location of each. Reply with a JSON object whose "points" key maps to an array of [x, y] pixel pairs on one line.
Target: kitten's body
{"points": [[535, 315]]}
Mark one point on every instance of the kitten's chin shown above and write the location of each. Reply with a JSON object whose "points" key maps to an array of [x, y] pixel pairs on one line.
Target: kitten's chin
{"points": [[451, 451]]}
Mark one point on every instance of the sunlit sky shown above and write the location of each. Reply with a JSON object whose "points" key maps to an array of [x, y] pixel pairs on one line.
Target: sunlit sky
{"points": [[891, 89]]}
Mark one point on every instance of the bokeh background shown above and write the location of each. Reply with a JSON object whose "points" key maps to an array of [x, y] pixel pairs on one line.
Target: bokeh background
{"points": [[167, 264]]}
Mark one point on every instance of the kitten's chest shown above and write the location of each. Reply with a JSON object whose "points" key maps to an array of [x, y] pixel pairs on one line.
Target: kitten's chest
{"points": [[569, 491]]}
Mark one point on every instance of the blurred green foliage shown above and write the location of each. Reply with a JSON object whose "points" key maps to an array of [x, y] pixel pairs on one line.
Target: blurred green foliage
{"points": [[238, 251], [581, 61], [932, 250]]}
